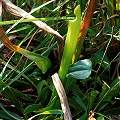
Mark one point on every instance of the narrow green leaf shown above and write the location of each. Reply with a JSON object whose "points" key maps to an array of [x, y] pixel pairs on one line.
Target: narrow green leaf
{"points": [[114, 88], [98, 59], [115, 83], [50, 117], [77, 91], [37, 19], [21, 29], [113, 111], [9, 94], [42, 92], [8, 114], [91, 98], [108, 96], [104, 104], [52, 112], [19, 94], [40, 86], [42, 62], [74, 105], [32, 108], [50, 105], [104, 90], [80, 102], [5, 116], [101, 116], [84, 116]]}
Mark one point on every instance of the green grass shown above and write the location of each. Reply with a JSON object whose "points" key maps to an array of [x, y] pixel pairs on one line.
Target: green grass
{"points": [[91, 82]]}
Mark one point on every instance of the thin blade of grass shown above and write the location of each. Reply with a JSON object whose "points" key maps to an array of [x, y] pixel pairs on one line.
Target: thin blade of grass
{"points": [[37, 19]]}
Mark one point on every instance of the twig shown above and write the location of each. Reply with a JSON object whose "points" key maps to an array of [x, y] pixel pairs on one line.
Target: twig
{"points": [[62, 95]]}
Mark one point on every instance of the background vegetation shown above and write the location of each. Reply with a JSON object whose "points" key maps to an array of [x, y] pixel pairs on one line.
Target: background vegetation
{"points": [[92, 79]]}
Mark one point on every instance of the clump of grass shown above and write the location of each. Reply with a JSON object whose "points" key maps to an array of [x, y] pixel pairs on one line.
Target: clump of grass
{"points": [[87, 69]]}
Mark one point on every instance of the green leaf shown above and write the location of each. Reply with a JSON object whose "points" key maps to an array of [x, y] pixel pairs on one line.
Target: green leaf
{"points": [[80, 102], [45, 95], [103, 104], [77, 91], [98, 59], [49, 106], [5, 115], [73, 104], [111, 92], [32, 108], [49, 112], [70, 43], [51, 117], [115, 83], [10, 95], [12, 68], [37, 4], [100, 118], [55, 111], [114, 92], [42, 62], [104, 90], [91, 98], [84, 116], [81, 69], [112, 111], [19, 94], [40, 86], [21, 29], [8, 115], [114, 88]]}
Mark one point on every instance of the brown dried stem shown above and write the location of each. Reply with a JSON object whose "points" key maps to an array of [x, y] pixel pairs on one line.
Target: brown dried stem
{"points": [[62, 95]]}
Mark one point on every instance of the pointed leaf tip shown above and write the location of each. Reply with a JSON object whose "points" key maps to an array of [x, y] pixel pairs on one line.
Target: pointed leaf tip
{"points": [[41, 61]]}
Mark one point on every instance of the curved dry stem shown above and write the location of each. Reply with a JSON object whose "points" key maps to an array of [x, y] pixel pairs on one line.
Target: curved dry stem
{"points": [[62, 95]]}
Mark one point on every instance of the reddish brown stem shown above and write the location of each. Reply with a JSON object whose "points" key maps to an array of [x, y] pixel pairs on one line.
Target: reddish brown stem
{"points": [[85, 25], [5, 40]]}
